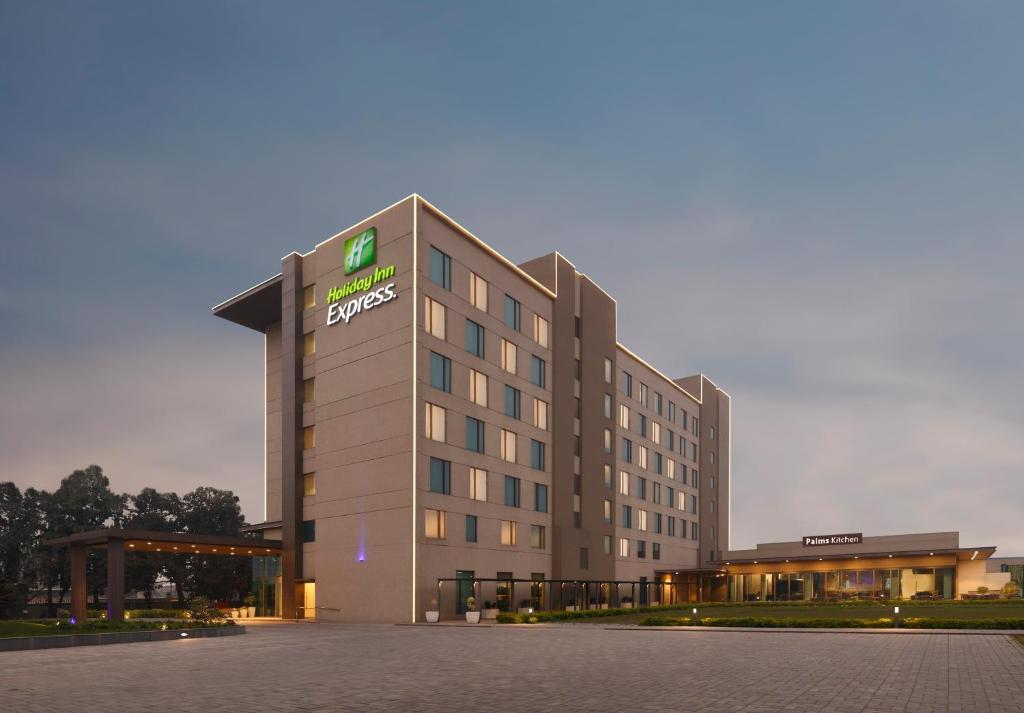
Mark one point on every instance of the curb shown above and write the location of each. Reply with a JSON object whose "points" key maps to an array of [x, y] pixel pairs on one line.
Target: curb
{"points": [[811, 630], [62, 641]]}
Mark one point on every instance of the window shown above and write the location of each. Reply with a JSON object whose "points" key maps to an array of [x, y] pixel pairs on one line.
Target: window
{"points": [[671, 439], [670, 467], [627, 516], [512, 312], [538, 371], [711, 457], [470, 528], [671, 412], [512, 491], [512, 401], [656, 432], [655, 551], [309, 484], [657, 523], [682, 528], [641, 460], [474, 338], [540, 497], [540, 414], [644, 394], [627, 384], [508, 445], [308, 391], [537, 536], [623, 482], [440, 268], [309, 530], [540, 330], [309, 344], [509, 356], [670, 498], [682, 501], [641, 488], [607, 370], [693, 451], [440, 476], [694, 478], [584, 558], [478, 291], [435, 422], [508, 532], [682, 474], [537, 455], [434, 317], [435, 524], [627, 450], [607, 544], [440, 372], [309, 297], [656, 493], [478, 484], [712, 432], [477, 387], [607, 405], [711, 481], [693, 531], [682, 418], [693, 504], [695, 425], [607, 475], [658, 463], [641, 520], [474, 435], [623, 416], [641, 424], [309, 437], [671, 526], [607, 510], [657, 403], [607, 440], [623, 547], [641, 549]]}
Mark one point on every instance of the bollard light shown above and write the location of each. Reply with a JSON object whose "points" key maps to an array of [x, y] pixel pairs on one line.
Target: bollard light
{"points": [[896, 610]]}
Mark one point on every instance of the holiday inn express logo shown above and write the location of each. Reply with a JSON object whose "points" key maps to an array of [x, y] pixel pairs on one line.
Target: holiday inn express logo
{"points": [[361, 251]]}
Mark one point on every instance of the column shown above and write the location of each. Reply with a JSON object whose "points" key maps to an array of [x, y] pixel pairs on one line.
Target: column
{"points": [[115, 580], [78, 585]]}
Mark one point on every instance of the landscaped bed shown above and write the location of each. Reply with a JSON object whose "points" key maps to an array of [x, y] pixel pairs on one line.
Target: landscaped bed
{"points": [[62, 627]]}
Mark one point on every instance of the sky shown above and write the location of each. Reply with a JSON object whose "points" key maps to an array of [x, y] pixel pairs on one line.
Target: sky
{"points": [[818, 205]]}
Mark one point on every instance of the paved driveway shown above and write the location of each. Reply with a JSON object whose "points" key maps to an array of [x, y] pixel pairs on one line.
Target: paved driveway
{"points": [[336, 667]]}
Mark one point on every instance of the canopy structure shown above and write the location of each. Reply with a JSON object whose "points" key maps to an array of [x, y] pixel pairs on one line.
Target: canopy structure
{"points": [[117, 542]]}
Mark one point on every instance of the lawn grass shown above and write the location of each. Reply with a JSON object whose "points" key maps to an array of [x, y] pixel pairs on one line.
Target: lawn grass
{"points": [[929, 610], [54, 627]]}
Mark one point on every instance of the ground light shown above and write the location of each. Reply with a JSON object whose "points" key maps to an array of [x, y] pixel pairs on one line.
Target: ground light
{"points": [[695, 616]]}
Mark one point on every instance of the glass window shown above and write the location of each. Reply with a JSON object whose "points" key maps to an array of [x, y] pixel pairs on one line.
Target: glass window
{"points": [[656, 432], [641, 488], [623, 416], [641, 549], [693, 531], [309, 344], [641, 520], [644, 394], [641, 424], [470, 528], [641, 456], [657, 523], [509, 356], [540, 330], [309, 437], [512, 401], [309, 484], [435, 524], [537, 536], [538, 371], [440, 476], [540, 497], [671, 532], [607, 475], [478, 484], [435, 422], [607, 405], [671, 412], [308, 391], [478, 291], [607, 510], [440, 372], [474, 435], [508, 532], [434, 318], [627, 516], [627, 450], [508, 445], [440, 268], [623, 482], [607, 544], [477, 387], [474, 338], [308, 297], [607, 440], [309, 530], [584, 558], [540, 414], [607, 370], [537, 455], [623, 547], [512, 491], [627, 384], [512, 312], [655, 551], [657, 403], [693, 504]]}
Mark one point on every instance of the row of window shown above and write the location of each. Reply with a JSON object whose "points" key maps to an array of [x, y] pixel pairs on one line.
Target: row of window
{"points": [[435, 321], [441, 274], [657, 523], [668, 495], [685, 420], [441, 482], [435, 527], [651, 429], [441, 379], [436, 430]]}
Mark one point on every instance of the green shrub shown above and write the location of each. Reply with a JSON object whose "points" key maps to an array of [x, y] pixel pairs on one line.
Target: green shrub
{"points": [[835, 623]]}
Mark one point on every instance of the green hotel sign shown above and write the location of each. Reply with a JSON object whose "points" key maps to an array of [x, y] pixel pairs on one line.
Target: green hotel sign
{"points": [[360, 253]]}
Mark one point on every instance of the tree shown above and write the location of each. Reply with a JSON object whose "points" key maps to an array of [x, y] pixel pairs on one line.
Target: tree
{"points": [[210, 511], [150, 510], [21, 527]]}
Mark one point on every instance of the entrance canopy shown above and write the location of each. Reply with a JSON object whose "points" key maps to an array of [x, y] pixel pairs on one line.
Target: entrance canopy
{"points": [[117, 542]]}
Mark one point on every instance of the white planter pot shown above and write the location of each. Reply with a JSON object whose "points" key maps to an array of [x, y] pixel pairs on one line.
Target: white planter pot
{"points": [[251, 612], [235, 614], [473, 617], [570, 608], [242, 612], [603, 606], [490, 613], [433, 616], [626, 605]]}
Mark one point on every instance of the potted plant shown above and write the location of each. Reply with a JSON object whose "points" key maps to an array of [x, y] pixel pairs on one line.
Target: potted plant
{"points": [[433, 614], [1011, 589], [472, 615], [490, 610], [250, 605], [235, 614], [525, 608]]}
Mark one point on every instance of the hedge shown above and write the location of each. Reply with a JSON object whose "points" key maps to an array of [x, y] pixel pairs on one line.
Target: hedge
{"points": [[836, 623], [140, 613]]}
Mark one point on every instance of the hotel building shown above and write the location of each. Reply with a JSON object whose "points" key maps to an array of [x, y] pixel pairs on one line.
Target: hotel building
{"points": [[441, 422]]}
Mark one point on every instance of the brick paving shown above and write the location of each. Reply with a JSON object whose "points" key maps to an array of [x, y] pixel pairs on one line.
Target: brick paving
{"points": [[338, 667]]}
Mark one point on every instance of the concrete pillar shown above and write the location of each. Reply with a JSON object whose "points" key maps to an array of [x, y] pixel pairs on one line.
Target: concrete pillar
{"points": [[115, 580], [78, 585]]}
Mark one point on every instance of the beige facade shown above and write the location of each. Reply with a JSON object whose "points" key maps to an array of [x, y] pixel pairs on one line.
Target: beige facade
{"points": [[482, 397]]}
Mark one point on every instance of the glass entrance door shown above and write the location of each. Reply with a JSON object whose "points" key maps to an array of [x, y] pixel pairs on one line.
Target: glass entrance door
{"points": [[463, 589]]}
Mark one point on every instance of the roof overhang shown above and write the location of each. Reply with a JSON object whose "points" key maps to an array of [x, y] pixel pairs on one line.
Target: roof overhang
{"points": [[170, 542], [962, 554], [256, 308]]}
